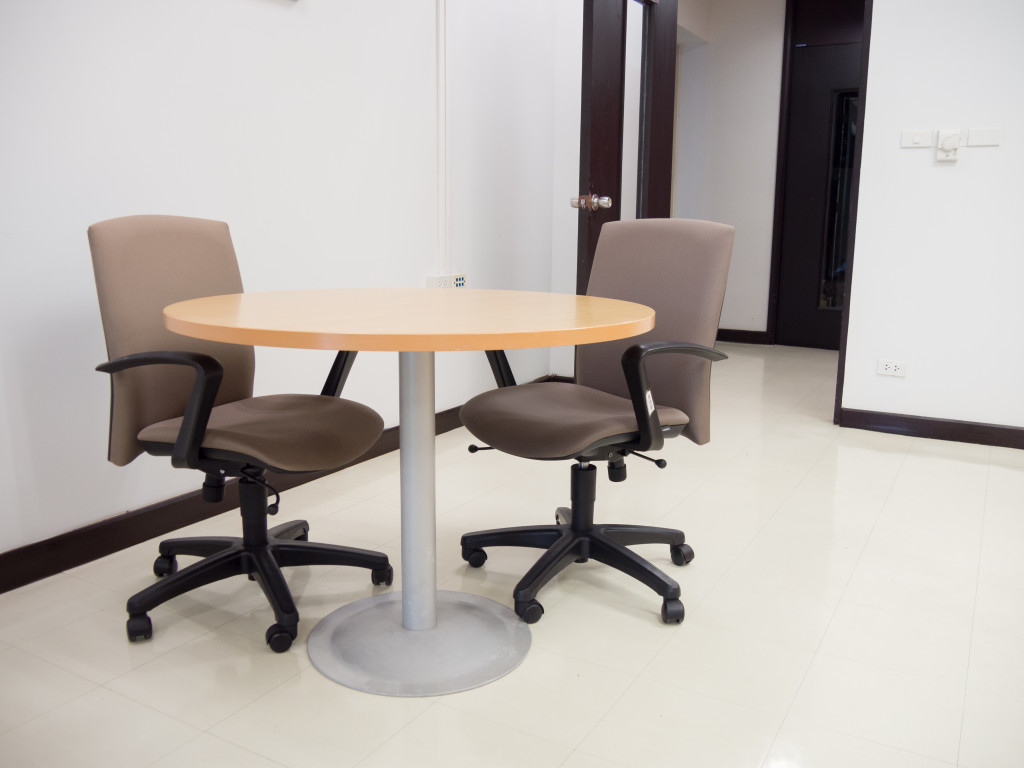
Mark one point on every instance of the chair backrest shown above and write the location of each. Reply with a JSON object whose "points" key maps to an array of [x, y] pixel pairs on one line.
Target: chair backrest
{"points": [[679, 268], [142, 264]]}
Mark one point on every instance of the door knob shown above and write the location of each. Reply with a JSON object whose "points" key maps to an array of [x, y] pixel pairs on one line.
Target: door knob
{"points": [[590, 202]]}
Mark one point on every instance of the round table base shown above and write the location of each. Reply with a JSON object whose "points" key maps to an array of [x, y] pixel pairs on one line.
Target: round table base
{"points": [[364, 646]]}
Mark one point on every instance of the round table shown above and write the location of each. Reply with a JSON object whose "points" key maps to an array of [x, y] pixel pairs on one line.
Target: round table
{"points": [[419, 641]]}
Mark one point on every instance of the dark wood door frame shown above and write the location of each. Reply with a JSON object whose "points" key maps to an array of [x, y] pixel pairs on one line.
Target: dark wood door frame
{"points": [[768, 337], [601, 116], [858, 151], [657, 109]]}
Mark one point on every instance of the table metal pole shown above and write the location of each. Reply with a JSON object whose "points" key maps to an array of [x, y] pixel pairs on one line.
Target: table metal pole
{"points": [[419, 535], [448, 641]]}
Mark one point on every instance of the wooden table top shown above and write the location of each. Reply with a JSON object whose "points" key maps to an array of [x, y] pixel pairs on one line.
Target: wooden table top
{"points": [[408, 319]]}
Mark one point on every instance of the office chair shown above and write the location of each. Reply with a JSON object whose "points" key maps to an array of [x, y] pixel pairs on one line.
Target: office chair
{"points": [[679, 267], [193, 400]]}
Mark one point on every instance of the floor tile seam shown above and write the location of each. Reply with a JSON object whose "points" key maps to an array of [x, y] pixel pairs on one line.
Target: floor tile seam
{"points": [[202, 733], [22, 642], [818, 655], [600, 720], [1015, 638], [113, 681], [438, 702], [974, 614], [1000, 696], [773, 713], [791, 718], [369, 755], [63, 668], [598, 664], [772, 641], [893, 670], [782, 502], [49, 710], [211, 730], [584, 755], [107, 687], [713, 697], [642, 680], [817, 650], [125, 697], [206, 622], [480, 713]]}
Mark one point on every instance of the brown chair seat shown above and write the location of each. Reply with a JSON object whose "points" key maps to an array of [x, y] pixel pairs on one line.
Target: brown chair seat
{"points": [[555, 420], [285, 433]]}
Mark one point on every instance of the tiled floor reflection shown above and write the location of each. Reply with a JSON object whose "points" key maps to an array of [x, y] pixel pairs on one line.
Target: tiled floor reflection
{"points": [[855, 601]]}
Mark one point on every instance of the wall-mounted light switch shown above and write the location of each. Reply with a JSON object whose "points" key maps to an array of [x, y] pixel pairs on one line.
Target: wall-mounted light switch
{"points": [[917, 138], [949, 143]]}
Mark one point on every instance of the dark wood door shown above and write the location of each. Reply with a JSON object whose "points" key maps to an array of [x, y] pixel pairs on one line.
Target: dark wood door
{"points": [[823, 128], [601, 117]]}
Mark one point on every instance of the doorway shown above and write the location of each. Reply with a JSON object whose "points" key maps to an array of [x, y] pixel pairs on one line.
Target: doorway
{"points": [[823, 121], [817, 173]]}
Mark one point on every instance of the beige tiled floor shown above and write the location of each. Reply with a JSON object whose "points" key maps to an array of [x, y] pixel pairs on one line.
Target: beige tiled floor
{"points": [[855, 601]]}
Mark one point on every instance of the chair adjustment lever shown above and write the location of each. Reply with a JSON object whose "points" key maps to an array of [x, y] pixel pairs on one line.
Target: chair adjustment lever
{"points": [[475, 448], [257, 477], [659, 463]]}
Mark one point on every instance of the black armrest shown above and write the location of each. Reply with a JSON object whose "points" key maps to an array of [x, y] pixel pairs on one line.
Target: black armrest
{"points": [[200, 402], [633, 366], [500, 368], [338, 374]]}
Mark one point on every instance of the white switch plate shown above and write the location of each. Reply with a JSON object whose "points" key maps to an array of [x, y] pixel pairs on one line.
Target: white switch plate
{"points": [[984, 137], [913, 137], [949, 143]]}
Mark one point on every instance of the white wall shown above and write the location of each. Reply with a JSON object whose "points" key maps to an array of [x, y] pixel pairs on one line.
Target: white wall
{"points": [[695, 17], [939, 257], [507, 118], [311, 128], [727, 125]]}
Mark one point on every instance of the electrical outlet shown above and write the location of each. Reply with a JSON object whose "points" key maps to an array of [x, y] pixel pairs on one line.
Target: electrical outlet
{"points": [[457, 280], [889, 367], [439, 281]]}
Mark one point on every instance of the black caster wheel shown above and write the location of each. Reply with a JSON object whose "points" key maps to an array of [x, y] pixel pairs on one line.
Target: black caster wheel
{"points": [[384, 575], [165, 565], [475, 557], [280, 638], [529, 612], [672, 612], [682, 554], [139, 627]]}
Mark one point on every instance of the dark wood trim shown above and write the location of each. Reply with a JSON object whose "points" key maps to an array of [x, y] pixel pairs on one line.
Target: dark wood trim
{"points": [[45, 558], [745, 337], [603, 84], [657, 110], [854, 202], [780, 174], [936, 429]]}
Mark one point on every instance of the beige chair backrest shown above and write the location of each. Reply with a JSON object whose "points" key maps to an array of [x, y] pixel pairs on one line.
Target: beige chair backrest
{"points": [[679, 267], [142, 264]]}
